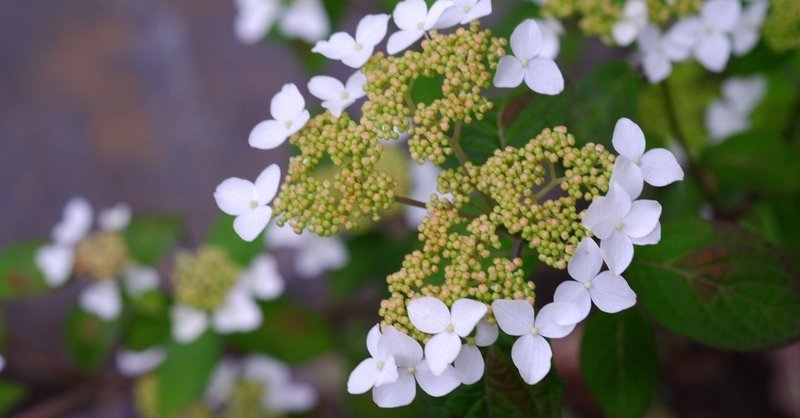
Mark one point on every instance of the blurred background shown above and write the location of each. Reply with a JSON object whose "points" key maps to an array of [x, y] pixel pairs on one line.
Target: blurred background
{"points": [[150, 102]]}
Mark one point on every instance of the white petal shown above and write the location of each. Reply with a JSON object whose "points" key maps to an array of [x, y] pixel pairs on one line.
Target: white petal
{"points": [[586, 261], [429, 315], [576, 293], [628, 139], [355, 85], [723, 120], [624, 32], [660, 168], [721, 15], [285, 237], [388, 372], [250, 224], [605, 212], [373, 337], [482, 9], [465, 315], [628, 175], [485, 333], [221, 383], [399, 393], [686, 32], [139, 280], [744, 93], [551, 45], [287, 104], [401, 40], [267, 184], [406, 351], [713, 52], [557, 319], [450, 18], [509, 73], [239, 314], [319, 255], [656, 67], [254, 19], [234, 196], [543, 76], [434, 385], [268, 134], [744, 41], [326, 88], [115, 218], [299, 122], [372, 29], [515, 317], [259, 367], [651, 238], [339, 45], [437, 9], [262, 279], [290, 397], [357, 58], [55, 262], [532, 355], [76, 221], [611, 293], [136, 363], [441, 350], [642, 218], [469, 364], [526, 40], [409, 13], [187, 323], [306, 20], [617, 252], [337, 107], [363, 377], [102, 299]]}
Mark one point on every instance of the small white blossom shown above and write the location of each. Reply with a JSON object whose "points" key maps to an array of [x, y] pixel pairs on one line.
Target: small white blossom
{"points": [[707, 35], [314, 255], [531, 353], [103, 299], [262, 278], [76, 221], [748, 30], [139, 280], [609, 292], [463, 12], [634, 19], [288, 110], [658, 53], [137, 363], [335, 96], [731, 115], [377, 370], [355, 51], [539, 73], [306, 20], [254, 19], [414, 19], [248, 201], [115, 218]]}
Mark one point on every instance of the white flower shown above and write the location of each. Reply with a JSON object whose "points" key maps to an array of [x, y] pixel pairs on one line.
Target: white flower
{"points": [[469, 364], [634, 19], [262, 279], [431, 316], [723, 121], [658, 53], [463, 12], [707, 35], [658, 167], [744, 93], [76, 221], [410, 368], [306, 20], [115, 218], [377, 370], [139, 280], [731, 115], [56, 263], [748, 30], [254, 19], [335, 96], [187, 323], [414, 19], [137, 363], [531, 353], [238, 313], [609, 292], [102, 299], [354, 52], [551, 30], [248, 201], [314, 254], [539, 73], [288, 109], [619, 222]]}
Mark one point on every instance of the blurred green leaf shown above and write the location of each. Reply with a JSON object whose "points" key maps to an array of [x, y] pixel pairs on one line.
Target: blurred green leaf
{"points": [[777, 220], [619, 362], [11, 393], [145, 331], [718, 284], [19, 275], [183, 377], [223, 236], [89, 339], [150, 238], [289, 332]]}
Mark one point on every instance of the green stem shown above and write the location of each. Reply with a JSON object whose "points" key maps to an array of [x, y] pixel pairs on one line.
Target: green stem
{"points": [[456, 146], [793, 125]]}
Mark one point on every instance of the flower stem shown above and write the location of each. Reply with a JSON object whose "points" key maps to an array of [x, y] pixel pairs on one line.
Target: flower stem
{"points": [[410, 202]]}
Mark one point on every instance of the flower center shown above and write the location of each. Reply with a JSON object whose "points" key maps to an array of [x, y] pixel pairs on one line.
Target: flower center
{"points": [[637, 161], [524, 63], [449, 328], [619, 225], [345, 95], [380, 365], [253, 204], [421, 25], [534, 331], [588, 284], [467, 9], [412, 370], [358, 47], [287, 124]]}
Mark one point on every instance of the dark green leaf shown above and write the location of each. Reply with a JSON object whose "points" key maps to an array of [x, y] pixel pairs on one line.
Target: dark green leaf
{"points": [[718, 284], [89, 339], [619, 362], [183, 377], [10, 394], [19, 275], [150, 238], [223, 236], [289, 332]]}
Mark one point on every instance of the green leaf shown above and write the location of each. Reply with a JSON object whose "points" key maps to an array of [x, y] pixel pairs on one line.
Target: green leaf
{"points": [[19, 275], [223, 236], [289, 332], [755, 162], [718, 284], [11, 393], [89, 339], [150, 238], [183, 377], [619, 362]]}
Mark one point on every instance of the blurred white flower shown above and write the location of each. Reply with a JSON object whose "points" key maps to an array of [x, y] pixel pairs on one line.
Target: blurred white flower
{"points": [[102, 299], [314, 254], [551, 30], [634, 19], [659, 51], [115, 218], [301, 19], [136, 363], [423, 184], [463, 12], [254, 19], [306, 20], [708, 35], [262, 279], [249, 201], [539, 73], [335, 96], [414, 19], [731, 115], [139, 280], [288, 110], [355, 51], [748, 30]]}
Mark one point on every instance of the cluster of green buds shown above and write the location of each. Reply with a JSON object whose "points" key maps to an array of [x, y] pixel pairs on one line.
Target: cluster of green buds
{"points": [[782, 30], [102, 255], [202, 280]]}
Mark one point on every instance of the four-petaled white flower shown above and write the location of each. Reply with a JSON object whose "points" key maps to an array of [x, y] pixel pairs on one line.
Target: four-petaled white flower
{"points": [[731, 114], [410, 368], [355, 51], [431, 316], [620, 223], [707, 35], [634, 19], [248, 201], [288, 109], [658, 167], [306, 20], [659, 51], [335, 96], [539, 73], [531, 353], [254, 19], [463, 12], [748, 30], [469, 364], [377, 370], [414, 19], [314, 254], [609, 292]]}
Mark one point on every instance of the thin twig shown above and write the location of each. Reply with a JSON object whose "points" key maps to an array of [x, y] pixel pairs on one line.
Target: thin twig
{"points": [[410, 202]]}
